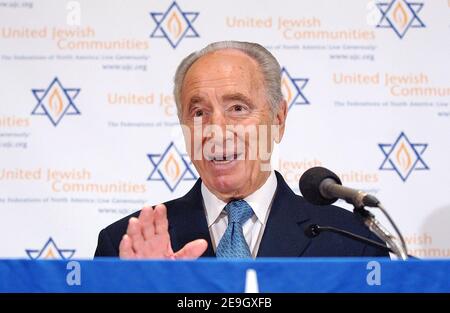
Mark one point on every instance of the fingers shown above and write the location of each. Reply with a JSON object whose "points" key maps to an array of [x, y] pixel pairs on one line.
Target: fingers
{"points": [[161, 222], [135, 234], [126, 248], [148, 235], [146, 221], [192, 250]]}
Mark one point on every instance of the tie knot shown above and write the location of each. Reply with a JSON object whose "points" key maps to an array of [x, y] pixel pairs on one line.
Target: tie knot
{"points": [[239, 211]]}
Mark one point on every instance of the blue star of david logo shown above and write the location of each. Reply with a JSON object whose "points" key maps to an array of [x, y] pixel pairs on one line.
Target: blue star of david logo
{"points": [[55, 101], [174, 24], [171, 157], [50, 251], [400, 15], [293, 88], [403, 157]]}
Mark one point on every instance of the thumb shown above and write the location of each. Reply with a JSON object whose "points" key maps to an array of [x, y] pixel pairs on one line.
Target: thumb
{"points": [[192, 250]]}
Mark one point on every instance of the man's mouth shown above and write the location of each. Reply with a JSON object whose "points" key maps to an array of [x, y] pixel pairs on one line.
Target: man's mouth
{"points": [[224, 159]]}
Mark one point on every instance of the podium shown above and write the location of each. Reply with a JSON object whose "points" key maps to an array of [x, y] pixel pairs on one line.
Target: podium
{"points": [[212, 275]]}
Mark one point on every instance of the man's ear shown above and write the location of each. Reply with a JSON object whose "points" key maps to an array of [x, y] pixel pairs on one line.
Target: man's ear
{"points": [[280, 120]]}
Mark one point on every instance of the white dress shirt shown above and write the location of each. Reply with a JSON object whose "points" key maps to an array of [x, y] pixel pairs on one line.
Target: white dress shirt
{"points": [[260, 201]]}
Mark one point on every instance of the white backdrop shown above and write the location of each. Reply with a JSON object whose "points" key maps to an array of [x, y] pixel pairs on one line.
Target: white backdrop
{"points": [[88, 128]]}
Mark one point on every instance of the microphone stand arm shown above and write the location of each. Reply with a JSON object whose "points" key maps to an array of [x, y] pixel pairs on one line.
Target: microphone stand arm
{"points": [[375, 226]]}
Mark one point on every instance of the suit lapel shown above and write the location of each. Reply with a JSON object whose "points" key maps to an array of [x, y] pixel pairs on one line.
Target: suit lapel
{"points": [[284, 233], [187, 220]]}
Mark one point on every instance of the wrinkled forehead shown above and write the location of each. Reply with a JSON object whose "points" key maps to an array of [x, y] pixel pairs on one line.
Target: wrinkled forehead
{"points": [[223, 68]]}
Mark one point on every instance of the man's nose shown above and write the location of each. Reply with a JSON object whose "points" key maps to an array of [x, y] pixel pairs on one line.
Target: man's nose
{"points": [[218, 119]]}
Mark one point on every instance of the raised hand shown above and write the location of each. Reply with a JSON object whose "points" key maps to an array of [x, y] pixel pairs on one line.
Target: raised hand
{"points": [[148, 237]]}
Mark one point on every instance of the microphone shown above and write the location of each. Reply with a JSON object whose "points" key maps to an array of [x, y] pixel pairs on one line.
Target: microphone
{"points": [[321, 186], [314, 230]]}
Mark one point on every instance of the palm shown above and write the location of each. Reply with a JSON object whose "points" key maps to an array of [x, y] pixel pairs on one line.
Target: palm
{"points": [[148, 237]]}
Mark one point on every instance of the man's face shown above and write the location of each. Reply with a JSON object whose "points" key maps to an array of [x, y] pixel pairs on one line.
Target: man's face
{"points": [[222, 94]]}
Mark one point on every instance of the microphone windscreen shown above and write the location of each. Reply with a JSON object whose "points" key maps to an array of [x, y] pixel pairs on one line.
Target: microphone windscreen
{"points": [[312, 231], [310, 185]]}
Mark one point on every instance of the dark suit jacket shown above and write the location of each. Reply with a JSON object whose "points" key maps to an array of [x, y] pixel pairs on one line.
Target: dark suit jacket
{"points": [[284, 235]]}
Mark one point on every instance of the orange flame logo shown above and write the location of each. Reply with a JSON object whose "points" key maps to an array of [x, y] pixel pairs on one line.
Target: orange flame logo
{"points": [[400, 15], [403, 157], [55, 102], [172, 168], [174, 25], [286, 90], [50, 255]]}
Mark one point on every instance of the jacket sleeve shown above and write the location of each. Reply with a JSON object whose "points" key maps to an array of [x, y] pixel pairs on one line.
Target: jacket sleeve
{"points": [[105, 247]]}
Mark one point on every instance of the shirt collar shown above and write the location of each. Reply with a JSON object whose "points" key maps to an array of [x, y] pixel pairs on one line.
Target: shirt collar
{"points": [[260, 201]]}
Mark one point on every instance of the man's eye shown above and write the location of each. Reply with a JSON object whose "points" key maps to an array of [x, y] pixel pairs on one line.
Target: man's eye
{"points": [[238, 108], [198, 113]]}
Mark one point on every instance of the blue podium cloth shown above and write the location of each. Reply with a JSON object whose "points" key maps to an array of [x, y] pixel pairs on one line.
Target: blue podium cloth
{"points": [[213, 275]]}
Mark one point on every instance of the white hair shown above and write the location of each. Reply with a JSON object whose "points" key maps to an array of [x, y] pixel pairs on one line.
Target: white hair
{"points": [[268, 65]]}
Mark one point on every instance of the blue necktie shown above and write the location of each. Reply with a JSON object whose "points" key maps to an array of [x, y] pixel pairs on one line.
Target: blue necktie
{"points": [[233, 244]]}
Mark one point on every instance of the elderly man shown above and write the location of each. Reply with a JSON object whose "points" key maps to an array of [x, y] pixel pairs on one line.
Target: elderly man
{"points": [[239, 207]]}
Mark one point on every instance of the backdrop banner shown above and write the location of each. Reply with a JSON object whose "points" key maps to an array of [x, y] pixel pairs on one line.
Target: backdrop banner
{"points": [[89, 130]]}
